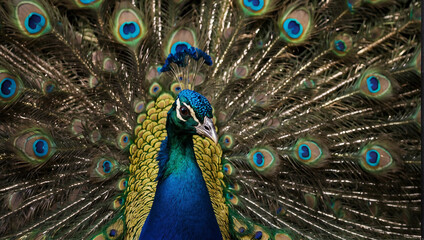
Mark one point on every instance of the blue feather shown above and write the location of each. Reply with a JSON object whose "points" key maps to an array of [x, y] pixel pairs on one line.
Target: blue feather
{"points": [[182, 208]]}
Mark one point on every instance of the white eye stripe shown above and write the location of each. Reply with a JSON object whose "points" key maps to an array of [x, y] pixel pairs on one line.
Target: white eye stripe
{"points": [[193, 115], [178, 111]]}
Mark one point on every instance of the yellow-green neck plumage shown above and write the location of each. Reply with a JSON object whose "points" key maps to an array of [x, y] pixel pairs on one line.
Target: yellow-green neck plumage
{"points": [[207, 153]]}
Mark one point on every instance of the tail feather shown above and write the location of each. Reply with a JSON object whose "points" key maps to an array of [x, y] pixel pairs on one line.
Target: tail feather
{"points": [[317, 106]]}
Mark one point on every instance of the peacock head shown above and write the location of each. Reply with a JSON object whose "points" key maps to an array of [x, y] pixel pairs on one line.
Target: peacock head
{"points": [[191, 114]]}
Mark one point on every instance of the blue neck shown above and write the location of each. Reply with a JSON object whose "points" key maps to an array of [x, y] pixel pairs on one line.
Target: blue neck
{"points": [[181, 208]]}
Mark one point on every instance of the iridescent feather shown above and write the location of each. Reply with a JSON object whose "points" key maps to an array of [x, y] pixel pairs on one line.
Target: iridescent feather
{"points": [[316, 106]]}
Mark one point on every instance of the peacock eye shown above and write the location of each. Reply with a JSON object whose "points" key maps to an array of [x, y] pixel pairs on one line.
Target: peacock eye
{"points": [[35, 146], [373, 84], [263, 160], [104, 167], [376, 159], [10, 87], [184, 111], [310, 153]]}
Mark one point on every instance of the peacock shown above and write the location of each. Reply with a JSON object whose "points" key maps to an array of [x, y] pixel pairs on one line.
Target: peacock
{"points": [[238, 119]]}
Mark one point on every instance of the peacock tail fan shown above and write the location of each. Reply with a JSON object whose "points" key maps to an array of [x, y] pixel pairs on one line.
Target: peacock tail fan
{"points": [[316, 105]]}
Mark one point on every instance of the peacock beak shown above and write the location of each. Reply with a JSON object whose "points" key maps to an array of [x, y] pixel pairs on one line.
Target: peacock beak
{"points": [[207, 129]]}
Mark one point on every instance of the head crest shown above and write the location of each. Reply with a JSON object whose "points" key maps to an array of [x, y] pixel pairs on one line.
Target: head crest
{"points": [[186, 59], [198, 102]]}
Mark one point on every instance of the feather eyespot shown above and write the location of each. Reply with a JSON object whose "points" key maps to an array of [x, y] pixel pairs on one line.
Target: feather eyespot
{"points": [[176, 88], [293, 28], [14, 200], [240, 226], [93, 82], [40, 147], [258, 159], [122, 184], [48, 87], [88, 3], [129, 30], [263, 160], [109, 109], [283, 236], [373, 84], [33, 19], [376, 85], [310, 200], [295, 24], [128, 25], [304, 152], [95, 136], [309, 152], [119, 201], [228, 169], [107, 166], [226, 141], [77, 127], [123, 140], [352, 5], [280, 211], [241, 72], [109, 65], [180, 40], [255, 4], [309, 83], [34, 22], [115, 230], [258, 235], [180, 47], [342, 44], [373, 158], [104, 167], [139, 106], [254, 7], [155, 89], [374, 33], [376, 159], [112, 233], [234, 186], [232, 198], [10, 87], [34, 146]]}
